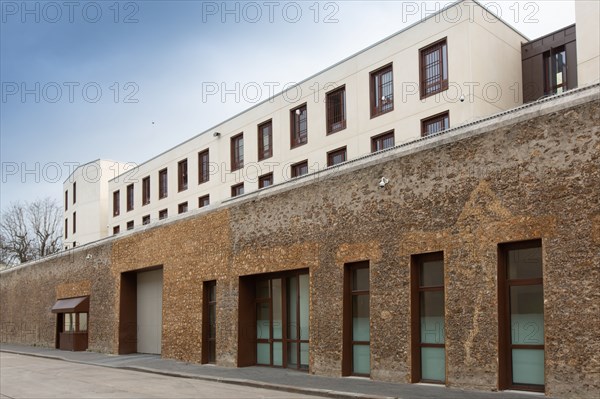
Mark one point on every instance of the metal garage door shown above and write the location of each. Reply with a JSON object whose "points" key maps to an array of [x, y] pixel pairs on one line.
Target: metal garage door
{"points": [[149, 311]]}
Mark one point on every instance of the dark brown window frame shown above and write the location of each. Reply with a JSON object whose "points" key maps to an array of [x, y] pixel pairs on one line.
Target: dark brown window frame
{"points": [[381, 138], [504, 320], [550, 88], [441, 82], [295, 168], [235, 188], [434, 119], [201, 201], [349, 293], [74, 222], [209, 342], [163, 214], [266, 177], [145, 220], [130, 197], [376, 104], [66, 200], [146, 190], [116, 229], [203, 166], [297, 136], [262, 153], [163, 186], [182, 208], [237, 151], [415, 310], [74, 192], [130, 225], [66, 228], [285, 339], [182, 175], [332, 113], [116, 203], [333, 153]]}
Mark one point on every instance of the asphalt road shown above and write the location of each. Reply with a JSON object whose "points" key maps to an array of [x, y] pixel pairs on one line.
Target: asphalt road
{"points": [[32, 377]]}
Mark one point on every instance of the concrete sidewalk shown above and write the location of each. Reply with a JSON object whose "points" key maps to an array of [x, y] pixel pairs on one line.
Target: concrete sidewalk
{"points": [[266, 377]]}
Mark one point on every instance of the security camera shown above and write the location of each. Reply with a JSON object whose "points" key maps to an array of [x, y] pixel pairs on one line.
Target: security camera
{"points": [[462, 98], [383, 182]]}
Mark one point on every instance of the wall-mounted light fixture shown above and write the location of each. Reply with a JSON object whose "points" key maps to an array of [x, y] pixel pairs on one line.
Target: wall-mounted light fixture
{"points": [[216, 134]]}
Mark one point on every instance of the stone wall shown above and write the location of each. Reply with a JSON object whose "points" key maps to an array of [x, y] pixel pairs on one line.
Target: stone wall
{"points": [[525, 177]]}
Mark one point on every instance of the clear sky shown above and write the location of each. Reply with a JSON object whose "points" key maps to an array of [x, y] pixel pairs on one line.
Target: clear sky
{"points": [[124, 80]]}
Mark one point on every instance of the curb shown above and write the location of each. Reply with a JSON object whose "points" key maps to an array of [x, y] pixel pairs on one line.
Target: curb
{"points": [[233, 381]]}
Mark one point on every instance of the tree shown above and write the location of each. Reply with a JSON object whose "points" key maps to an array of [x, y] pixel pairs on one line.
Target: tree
{"points": [[29, 231]]}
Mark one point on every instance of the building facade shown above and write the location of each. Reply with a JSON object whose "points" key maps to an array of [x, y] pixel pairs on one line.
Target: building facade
{"points": [[467, 256]]}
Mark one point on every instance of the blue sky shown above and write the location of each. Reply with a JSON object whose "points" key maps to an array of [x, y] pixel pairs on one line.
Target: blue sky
{"points": [[124, 80]]}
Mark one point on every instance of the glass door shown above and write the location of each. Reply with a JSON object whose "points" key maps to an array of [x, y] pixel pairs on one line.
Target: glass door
{"points": [[282, 330]]}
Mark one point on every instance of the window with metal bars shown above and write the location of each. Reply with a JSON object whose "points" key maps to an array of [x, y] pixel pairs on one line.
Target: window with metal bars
{"points": [[265, 140], [382, 91], [237, 152], [336, 156], [434, 68], [146, 190], [130, 197], [336, 110], [162, 184], [299, 126], [203, 167], [382, 141], [435, 124], [299, 169], [182, 175]]}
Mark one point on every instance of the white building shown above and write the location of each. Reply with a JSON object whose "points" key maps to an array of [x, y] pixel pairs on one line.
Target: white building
{"points": [[456, 66]]}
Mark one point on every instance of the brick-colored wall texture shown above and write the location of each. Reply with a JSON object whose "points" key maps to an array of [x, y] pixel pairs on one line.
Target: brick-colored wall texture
{"points": [[536, 178]]}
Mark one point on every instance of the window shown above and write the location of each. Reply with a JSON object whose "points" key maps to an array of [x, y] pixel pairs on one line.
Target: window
{"points": [[300, 169], [182, 175], [299, 126], [146, 190], [382, 141], [265, 140], [116, 229], [265, 180], [203, 201], [382, 91], [435, 124], [336, 156], [237, 152], [555, 71], [116, 203], [238, 189], [427, 314], [163, 214], [74, 192], [434, 68], [281, 308], [74, 222], [209, 322], [66, 200], [336, 110], [130, 225], [67, 228], [521, 316], [162, 184], [146, 220], [203, 167], [74, 322], [130, 197], [182, 208], [356, 349]]}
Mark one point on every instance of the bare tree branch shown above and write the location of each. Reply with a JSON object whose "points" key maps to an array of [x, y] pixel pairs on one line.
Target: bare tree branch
{"points": [[30, 231]]}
